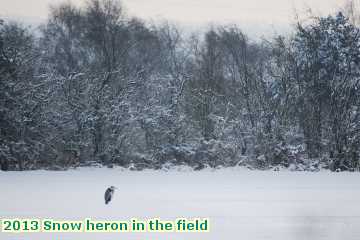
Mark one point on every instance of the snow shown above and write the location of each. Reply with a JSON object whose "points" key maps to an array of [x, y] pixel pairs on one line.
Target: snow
{"points": [[241, 204]]}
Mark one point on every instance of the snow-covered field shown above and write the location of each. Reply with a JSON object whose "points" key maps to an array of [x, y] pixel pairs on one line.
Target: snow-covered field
{"points": [[241, 204]]}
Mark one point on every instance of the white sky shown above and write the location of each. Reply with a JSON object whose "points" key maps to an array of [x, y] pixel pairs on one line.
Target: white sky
{"points": [[251, 14]]}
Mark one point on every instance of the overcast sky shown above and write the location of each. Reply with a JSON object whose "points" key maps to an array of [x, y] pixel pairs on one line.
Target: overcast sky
{"points": [[255, 15]]}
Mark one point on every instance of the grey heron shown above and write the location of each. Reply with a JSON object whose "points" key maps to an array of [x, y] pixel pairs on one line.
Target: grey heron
{"points": [[109, 194]]}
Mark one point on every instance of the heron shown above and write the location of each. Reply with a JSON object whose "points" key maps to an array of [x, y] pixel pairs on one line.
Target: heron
{"points": [[109, 194]]}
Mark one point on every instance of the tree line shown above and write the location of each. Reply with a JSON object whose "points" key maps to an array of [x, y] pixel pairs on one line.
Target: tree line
{"points": [[95, 86]]}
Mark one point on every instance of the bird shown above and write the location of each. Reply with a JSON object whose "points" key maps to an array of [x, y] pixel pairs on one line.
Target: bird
{"points": [[109, 194]]}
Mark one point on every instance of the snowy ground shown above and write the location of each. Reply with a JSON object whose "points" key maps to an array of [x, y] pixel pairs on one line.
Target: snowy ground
{"points": [[241, 204]]}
